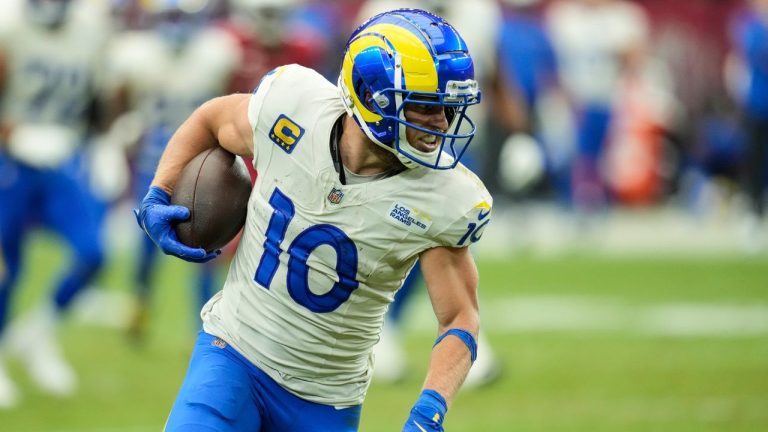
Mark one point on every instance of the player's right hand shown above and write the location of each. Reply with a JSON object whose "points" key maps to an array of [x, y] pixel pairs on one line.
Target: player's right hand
{"points": [[155, 216], [427, 413]]}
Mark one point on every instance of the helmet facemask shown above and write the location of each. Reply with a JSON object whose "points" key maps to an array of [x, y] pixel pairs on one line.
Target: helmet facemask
{"points": [[378, 82], [453, 141]]}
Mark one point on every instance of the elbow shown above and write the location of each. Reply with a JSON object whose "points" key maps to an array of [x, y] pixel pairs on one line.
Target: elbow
{"points": [[467, 318]]}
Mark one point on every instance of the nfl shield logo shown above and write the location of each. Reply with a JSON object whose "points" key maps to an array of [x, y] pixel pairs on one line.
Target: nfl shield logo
{"points": [[335, 196]]}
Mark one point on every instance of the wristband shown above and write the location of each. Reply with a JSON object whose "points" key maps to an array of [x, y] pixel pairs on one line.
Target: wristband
{"points": [[465, 337], [435, 404]]}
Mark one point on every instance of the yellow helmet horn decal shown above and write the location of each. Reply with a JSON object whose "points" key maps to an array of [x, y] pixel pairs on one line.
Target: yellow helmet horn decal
{"points": [[419, 69]]}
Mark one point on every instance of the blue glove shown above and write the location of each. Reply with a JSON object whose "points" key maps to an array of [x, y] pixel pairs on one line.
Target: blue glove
{"points": [[427, 413], [155, 216]]}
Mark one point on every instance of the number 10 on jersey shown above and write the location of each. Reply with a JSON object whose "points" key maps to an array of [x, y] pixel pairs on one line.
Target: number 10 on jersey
{"points": [[299, 251]]}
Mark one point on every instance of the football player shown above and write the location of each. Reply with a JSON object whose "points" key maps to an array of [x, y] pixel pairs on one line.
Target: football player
{"points": [[751, 43], [163, 74], [50, 52], [357, 181], [597, 42]]}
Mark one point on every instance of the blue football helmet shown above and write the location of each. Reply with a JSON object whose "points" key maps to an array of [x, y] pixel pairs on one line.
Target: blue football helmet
{"points": [[47, 13], [410, 56]]}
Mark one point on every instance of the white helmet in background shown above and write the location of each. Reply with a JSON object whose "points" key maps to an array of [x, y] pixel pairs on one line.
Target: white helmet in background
{"points": [[522, 163], [266, 16]]}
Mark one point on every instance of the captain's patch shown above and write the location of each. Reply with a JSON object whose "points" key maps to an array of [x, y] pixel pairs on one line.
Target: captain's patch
{"points": [[286, 133]]}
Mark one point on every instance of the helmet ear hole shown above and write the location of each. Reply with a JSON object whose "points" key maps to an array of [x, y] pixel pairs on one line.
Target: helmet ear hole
{"points": [[373, 72], [359, 86]]}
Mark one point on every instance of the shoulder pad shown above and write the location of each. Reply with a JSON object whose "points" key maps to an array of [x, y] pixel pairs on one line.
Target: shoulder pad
{"points": [[469, 212]]}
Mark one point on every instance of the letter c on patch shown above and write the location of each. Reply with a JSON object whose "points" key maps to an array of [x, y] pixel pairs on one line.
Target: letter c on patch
{"points": [[286, 133]]}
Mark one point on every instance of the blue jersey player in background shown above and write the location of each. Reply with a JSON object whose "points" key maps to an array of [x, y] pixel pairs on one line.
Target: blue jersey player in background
{"points": [[50, 54]]}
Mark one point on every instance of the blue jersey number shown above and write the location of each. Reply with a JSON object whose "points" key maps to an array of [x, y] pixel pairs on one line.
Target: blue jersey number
{"points": [[299, 251], [474, 232]]}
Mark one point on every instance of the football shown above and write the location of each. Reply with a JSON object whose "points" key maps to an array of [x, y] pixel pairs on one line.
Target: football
{"points": [[215, 187]]}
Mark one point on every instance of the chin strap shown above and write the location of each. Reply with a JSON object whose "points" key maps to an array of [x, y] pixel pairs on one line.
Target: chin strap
{"points": [[336, 149]]}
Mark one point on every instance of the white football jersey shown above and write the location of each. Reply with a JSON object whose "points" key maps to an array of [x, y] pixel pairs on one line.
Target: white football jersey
{"points": [[319, 262], [590, 41], [52, 77]]}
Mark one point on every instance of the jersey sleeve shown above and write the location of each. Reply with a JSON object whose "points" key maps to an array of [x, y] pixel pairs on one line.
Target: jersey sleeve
{"points": [[470, 213], [256, 106], [283, 106]]}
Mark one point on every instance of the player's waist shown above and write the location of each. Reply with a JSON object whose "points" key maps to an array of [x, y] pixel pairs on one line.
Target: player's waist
{"points": [[331, 380], [307, 351], [291, 339]]}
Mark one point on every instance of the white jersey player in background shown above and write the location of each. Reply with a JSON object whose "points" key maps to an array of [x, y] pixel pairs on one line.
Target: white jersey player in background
{"points": [[161, 75], [50, 62], [597, 43], [356, 183]]}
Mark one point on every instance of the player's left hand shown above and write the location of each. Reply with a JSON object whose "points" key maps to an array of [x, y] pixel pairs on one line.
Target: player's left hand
{"points": [[155, 216], [427, 413]]}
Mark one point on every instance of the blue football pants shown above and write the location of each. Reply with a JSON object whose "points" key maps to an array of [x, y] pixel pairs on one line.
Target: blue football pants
{"points": [[224, 392], [56, 199]]}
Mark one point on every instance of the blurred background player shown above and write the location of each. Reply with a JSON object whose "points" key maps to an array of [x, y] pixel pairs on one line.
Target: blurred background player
{"points": [[751, 43], [160, 75], [50, 55], [597, 42], [478, 22], [528, 107]]}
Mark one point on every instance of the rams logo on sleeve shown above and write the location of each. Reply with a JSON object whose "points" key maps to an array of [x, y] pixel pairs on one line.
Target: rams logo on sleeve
{"points": [[286, 133]]}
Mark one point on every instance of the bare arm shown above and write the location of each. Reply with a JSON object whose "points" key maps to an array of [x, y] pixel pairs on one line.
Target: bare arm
{"points": [[221, 121], [451, 278]]}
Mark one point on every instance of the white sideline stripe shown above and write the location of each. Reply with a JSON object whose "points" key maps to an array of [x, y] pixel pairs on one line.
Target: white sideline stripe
{"points": [[526, 314], [519, 314]]}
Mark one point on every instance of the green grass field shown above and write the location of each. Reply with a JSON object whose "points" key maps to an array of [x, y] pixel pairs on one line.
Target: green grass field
{"points": [[597, 377]]}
